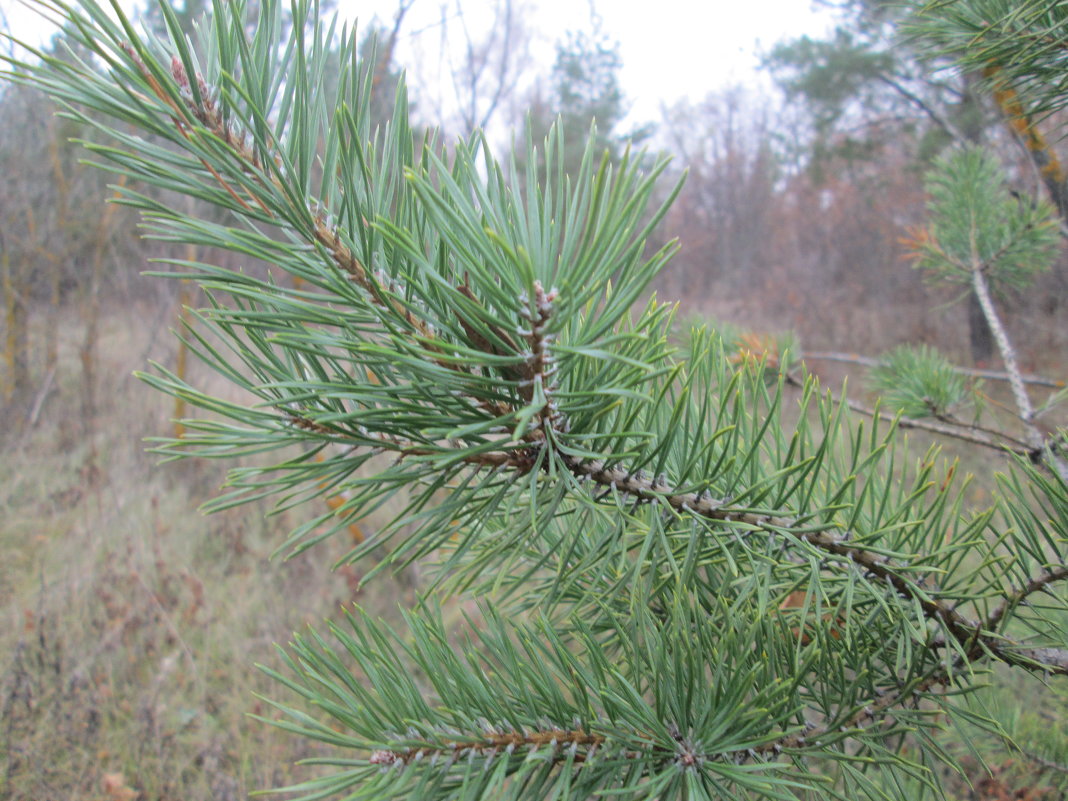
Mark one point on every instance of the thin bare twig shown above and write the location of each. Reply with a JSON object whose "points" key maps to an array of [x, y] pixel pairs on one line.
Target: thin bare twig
{"points": [[42, 395], [1003, 443], [1048, 764], [993, 375], [1036, 584], [939, 119]]}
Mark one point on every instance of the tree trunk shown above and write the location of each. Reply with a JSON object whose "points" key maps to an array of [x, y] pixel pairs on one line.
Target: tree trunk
{"points": [[982, 343]]}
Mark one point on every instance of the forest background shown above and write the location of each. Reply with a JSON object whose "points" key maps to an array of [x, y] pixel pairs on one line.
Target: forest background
{"points": [[128, 625]]}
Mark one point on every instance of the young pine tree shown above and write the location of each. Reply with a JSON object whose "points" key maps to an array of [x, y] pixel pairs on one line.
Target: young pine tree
{"points": [[631, 513]]}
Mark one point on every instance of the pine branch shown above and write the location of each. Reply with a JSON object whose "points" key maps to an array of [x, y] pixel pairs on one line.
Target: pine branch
{"points": [[549, 441], [519, 459], [979, 234], [203, 109], [566, 743], [866, 716], [1041, 761], [1011, 601], [970, 635], [975, 638]]}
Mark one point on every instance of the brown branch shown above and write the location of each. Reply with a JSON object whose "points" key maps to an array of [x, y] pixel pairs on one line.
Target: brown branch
{"points": [[968, 633], [867, 715], [520, 458], [493, 743], [1036, 584]]}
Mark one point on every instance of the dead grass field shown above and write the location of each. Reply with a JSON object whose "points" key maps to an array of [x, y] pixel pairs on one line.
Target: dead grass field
{"points": [[129, 621]]}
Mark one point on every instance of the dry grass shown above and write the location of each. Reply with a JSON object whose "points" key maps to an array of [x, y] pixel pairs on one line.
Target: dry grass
{"points": [[130, 622]]}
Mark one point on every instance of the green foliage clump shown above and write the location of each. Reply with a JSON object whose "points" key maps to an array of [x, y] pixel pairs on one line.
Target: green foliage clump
{"points": [[979, 225], [919, 381]]}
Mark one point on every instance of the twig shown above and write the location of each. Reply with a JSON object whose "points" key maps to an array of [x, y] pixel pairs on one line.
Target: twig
{"points": [[939, 119], [518, 457], [1048, 764], [993, 375], [39, 399], [1008, 354], [993, 432], [1036, 584], [867, 714], [970, 634], [956, 431]]}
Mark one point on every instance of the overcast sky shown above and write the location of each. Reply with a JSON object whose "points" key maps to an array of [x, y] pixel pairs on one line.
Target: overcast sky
{"points": [[671, 49]]}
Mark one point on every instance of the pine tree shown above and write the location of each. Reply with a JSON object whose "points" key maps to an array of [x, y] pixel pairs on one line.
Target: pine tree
{"points": [[1016, 50], [586, 100], [694, 581]]}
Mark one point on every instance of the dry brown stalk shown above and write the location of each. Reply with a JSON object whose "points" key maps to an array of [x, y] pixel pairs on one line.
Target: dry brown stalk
{"points": [[14, 319]]}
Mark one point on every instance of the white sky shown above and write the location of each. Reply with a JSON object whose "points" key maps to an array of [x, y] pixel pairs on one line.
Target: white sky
{"points": [[671, 49]]}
